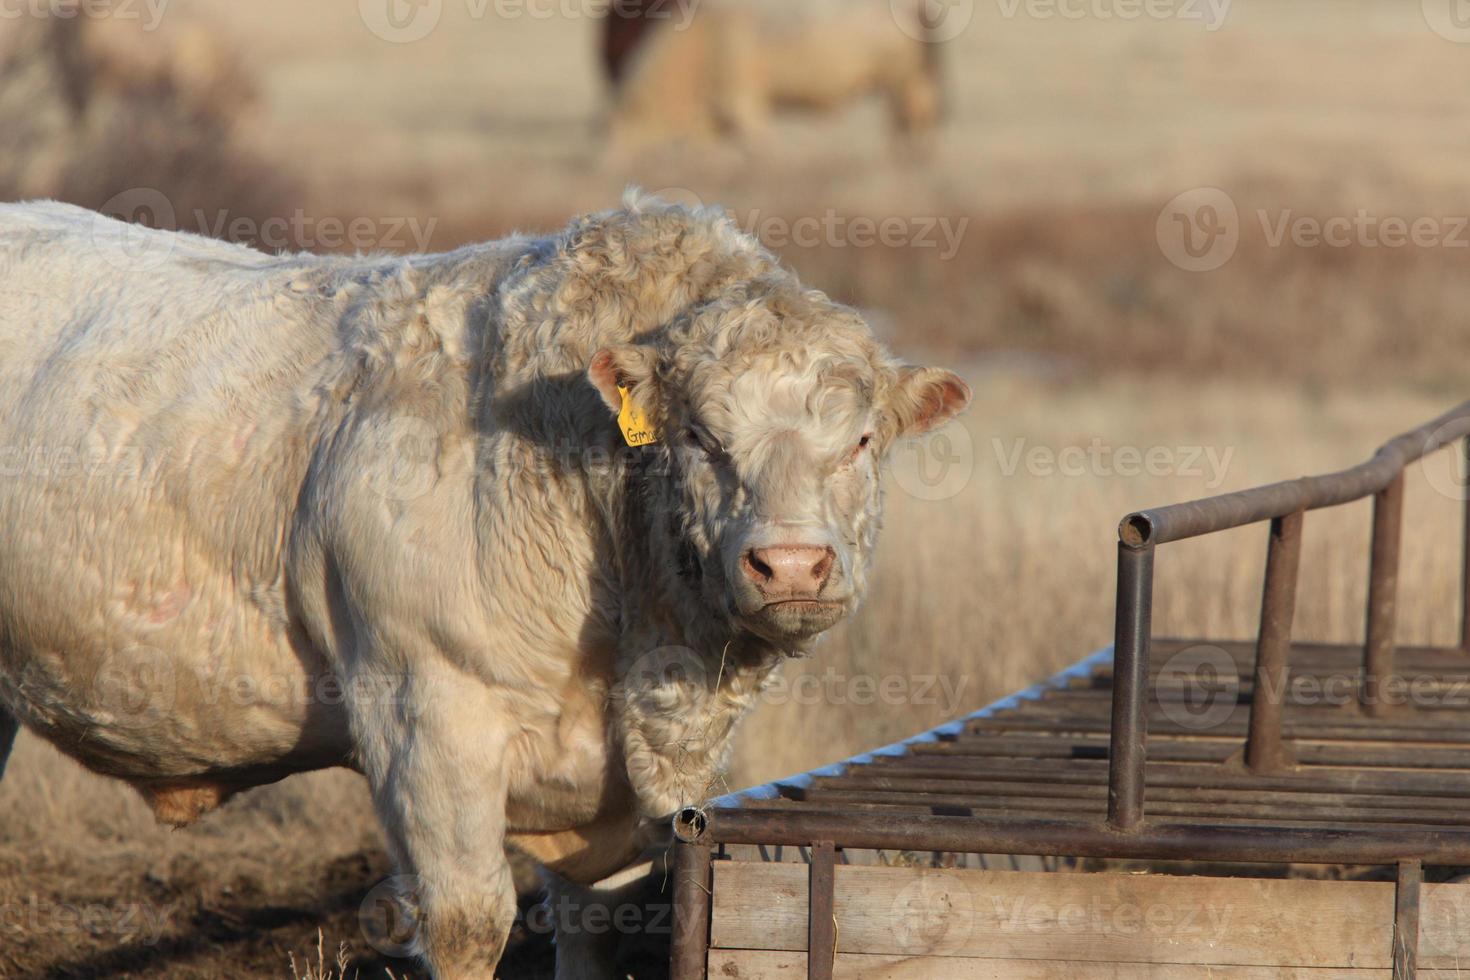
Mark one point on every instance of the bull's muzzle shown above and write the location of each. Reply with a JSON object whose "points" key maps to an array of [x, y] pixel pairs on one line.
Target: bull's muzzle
{"points": [[785, 573], [791, 590]]}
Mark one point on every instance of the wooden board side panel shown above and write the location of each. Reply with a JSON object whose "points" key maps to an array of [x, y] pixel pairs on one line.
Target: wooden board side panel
{"points": [[1095, 917]]}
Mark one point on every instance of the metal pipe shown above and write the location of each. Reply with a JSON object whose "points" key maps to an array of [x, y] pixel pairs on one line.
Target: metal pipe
{"points": [[1264, 750], [689, 955], [1157, 842], [1465, 555], [1406, 920], [1160, 525], [1128, 744], [1383, 584], [821, 944]]}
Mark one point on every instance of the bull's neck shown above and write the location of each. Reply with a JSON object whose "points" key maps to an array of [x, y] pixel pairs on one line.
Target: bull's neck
{"points": [[685, 676]]}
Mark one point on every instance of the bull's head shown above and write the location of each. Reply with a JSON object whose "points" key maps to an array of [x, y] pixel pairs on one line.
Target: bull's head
{"points": [[775, 409]]}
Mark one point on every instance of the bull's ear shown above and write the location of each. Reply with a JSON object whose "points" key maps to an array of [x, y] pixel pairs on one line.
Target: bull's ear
{"points": [[623, 366], [926, 398]]}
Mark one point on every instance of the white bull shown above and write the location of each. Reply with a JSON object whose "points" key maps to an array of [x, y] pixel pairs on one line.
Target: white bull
{"points": [[268, 514]]}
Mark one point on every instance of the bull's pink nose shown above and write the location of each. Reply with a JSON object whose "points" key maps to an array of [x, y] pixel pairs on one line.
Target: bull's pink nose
{"points": [[788, 571]]}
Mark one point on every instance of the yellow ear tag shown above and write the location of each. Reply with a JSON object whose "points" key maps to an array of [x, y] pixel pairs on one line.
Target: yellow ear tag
{"points": [[638, 430]]}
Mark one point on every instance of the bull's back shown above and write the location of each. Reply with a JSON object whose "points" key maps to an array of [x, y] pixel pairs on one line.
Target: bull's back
{"points": [[156, 400]]}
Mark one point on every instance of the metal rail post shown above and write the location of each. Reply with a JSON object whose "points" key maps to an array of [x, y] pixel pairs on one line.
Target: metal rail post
{"points": [[1465, 555], [1383, 583], [1264, 750], [1406, 920], [689, 955], [1127, 752], [821, 944]]}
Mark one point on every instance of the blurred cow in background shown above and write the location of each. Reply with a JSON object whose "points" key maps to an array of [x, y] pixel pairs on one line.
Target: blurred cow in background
{"points": [[698, 70]]}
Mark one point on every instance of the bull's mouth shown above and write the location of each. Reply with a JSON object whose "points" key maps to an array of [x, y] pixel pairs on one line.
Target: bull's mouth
{"points": [[797, 619]]}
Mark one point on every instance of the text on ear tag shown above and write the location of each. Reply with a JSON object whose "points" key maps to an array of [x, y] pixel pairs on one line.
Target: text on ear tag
{"points": [[638, 430]]}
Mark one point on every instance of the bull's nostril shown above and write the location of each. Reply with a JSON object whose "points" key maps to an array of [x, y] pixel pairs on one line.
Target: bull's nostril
{"points": [[823, 568], [788, 571], [755, 569]]}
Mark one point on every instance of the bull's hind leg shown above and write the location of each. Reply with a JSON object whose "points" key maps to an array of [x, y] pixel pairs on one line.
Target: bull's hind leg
{"points": [[435, 763], [9, 728]]}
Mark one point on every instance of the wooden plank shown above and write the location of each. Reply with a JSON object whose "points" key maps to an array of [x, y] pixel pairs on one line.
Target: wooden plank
{"points": [[751, 964], [1095, 917], [1089, 917]]}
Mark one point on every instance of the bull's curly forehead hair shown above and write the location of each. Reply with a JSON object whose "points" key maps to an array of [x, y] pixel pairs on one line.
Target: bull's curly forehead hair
{"points": [[772, 312], [769, 358]]}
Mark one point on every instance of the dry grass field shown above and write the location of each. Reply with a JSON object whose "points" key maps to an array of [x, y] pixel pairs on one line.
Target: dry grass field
{"points": [[1065, 139]]}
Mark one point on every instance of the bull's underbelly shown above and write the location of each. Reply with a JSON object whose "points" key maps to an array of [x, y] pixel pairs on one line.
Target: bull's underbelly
{"points": [[159, 713]]}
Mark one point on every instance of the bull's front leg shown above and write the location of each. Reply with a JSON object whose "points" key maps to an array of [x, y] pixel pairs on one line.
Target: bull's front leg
{"points": [[434, 756]]}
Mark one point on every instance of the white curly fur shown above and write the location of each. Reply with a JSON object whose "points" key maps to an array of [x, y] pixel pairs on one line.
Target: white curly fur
{"points": [[270, 514]]}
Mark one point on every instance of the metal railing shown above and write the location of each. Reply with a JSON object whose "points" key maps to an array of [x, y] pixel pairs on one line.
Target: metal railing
{"points": [[1123, 832], [1284, 505]]}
